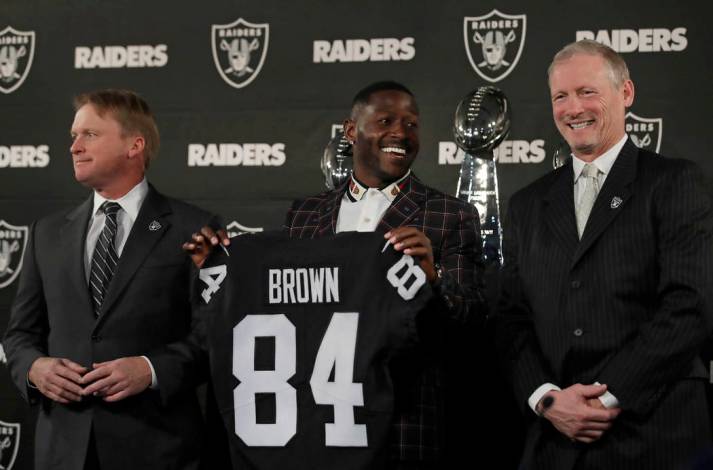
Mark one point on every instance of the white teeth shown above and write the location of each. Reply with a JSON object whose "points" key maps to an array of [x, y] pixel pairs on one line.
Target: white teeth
{"points": [[580, 125], [398, 150]]}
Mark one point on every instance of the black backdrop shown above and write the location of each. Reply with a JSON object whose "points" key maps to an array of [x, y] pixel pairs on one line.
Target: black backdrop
{"points": [[272, 116]]}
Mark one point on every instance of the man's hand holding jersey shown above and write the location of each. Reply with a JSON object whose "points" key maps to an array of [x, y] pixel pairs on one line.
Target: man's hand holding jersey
{"points": [[415, 243], [202, 243]]}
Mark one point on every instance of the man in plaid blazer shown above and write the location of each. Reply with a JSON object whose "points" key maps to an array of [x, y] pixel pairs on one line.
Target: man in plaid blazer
{"points": [[441, 231]]}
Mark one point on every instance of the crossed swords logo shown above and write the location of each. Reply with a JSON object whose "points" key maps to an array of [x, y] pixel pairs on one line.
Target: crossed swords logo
{"points": [[646, 140]]}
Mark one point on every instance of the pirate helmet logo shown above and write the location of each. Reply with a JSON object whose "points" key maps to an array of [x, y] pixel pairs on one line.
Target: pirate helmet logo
{"points": [[17, 49], [494, 43], [239, 50], [9, 444], [13, 240]]}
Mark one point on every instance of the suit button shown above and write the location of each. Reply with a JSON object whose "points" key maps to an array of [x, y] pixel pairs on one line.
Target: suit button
{"points": [[578, 332], [575, 284], [96, 338]]}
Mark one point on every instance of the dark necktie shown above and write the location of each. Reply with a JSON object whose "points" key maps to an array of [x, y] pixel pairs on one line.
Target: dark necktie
{"points": [[104, 259]]}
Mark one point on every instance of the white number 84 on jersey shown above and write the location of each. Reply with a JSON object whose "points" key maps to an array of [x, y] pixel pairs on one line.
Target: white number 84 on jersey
{"points": [[336, 352]]}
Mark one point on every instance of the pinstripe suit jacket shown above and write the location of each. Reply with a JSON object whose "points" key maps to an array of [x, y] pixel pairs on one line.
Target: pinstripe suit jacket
{"points": [[453, 227], [628, 305]]}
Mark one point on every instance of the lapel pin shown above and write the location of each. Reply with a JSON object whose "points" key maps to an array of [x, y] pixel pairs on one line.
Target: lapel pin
{"points": [[154, 226], [616, 202]]}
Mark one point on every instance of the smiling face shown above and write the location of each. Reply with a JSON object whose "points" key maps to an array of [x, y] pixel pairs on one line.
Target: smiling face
{"points": [[385, 137], [104, 158], [588, 107]]}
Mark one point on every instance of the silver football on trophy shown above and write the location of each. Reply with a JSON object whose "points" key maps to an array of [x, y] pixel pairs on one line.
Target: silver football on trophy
{"points": [[337, 161], [482, 121]]}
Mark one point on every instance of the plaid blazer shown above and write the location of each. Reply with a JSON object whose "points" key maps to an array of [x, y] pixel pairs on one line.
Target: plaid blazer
{"points": [[453, 227]]}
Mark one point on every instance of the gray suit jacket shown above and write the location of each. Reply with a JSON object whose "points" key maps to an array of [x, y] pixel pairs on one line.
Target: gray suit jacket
{"points": [[146, 312]]}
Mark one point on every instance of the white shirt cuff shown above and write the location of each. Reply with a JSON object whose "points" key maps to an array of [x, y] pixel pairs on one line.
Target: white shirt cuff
{"points": [[607, 399], [29, 383], [154, 381], [539, 393]]}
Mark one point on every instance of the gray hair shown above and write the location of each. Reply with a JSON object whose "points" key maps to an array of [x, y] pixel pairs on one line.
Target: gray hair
{"points": [[618, 71]]}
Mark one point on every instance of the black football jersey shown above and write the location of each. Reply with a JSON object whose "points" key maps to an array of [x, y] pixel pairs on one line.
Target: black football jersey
{"points": [[300, 336]]}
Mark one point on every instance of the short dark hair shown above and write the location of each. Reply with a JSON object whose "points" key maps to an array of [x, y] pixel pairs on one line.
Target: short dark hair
{"points": [[362, 97], [130, 111]]}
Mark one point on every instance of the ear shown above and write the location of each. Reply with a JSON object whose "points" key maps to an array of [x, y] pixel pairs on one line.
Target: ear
{"points": [[350, 133], [628, 91], [138, 143]]}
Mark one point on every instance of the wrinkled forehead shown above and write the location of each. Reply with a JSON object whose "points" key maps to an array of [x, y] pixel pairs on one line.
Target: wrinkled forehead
{"points": [[581, 67], [90, 114]]}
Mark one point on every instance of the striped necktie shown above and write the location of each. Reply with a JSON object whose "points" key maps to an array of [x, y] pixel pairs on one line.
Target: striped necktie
{"points": [[104, 259]]}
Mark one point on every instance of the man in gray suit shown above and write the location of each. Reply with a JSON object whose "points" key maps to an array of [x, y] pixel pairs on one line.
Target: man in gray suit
{"points": [[607, 287], [98, 329]]}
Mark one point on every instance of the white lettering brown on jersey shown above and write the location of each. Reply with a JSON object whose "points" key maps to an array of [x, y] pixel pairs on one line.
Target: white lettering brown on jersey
{"points": [[303, 285]]}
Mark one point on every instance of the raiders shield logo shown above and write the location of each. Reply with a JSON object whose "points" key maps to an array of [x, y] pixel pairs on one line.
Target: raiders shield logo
{"points": [[646, 133], [9, 444], [13, 241], [234, 229], [17, 48], [239, 50], [494, 43]]}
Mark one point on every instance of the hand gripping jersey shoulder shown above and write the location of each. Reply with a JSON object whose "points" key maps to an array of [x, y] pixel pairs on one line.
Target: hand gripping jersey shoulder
{"points": [[301, 334]]}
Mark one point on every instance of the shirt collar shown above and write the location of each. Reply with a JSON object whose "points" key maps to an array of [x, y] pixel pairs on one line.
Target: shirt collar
{"points": [[357, 190], [129, 202], [603, 162]]}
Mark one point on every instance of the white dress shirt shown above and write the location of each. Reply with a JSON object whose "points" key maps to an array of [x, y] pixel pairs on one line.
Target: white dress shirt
{"points": [[362, 208], [604, 163], [126, 216]]}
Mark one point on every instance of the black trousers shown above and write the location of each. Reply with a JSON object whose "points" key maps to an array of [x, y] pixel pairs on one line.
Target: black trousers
{"points": [[91, 462]]}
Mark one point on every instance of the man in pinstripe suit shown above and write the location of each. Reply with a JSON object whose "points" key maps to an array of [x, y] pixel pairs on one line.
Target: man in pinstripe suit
{"points": [[607, 291]]}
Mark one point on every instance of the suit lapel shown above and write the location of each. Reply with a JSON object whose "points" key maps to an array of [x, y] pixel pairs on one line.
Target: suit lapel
{"points": [[613, 196], [405, 206], [150, 226], [329, 212], [71, 245], [559, 210]]}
